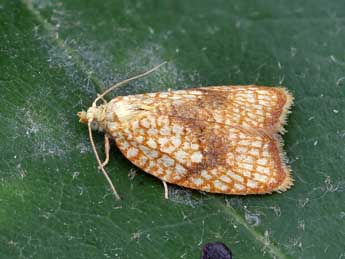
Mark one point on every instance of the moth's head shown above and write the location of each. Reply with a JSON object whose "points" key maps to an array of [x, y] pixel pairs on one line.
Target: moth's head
{"points": [[95, 115]]}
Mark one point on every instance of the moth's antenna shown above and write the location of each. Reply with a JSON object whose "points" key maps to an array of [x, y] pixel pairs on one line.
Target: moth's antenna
{"points": [[100, 164], [125, 82]]}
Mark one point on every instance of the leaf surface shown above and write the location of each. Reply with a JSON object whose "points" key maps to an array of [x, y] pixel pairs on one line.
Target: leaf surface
{"points": [[55, 58]]}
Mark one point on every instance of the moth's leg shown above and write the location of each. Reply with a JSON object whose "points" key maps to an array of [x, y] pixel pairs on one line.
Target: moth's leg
{"points": [[107, 149], [166, 190]]}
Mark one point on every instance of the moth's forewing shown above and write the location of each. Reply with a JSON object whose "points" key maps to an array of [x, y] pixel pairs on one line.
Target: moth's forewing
{"points": [[214, 139]]}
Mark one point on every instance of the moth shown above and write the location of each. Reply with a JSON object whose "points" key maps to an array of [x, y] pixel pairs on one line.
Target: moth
{"points": [[217, 139]]}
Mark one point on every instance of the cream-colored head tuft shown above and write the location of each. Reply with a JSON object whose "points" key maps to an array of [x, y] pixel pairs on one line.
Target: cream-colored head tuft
{"points": [[95, 115]]}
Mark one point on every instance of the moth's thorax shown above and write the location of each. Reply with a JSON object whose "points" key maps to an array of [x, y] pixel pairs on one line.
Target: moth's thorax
{"points": [[123, 110]]}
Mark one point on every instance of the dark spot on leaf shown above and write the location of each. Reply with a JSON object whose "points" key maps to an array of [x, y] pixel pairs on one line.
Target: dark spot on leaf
{"points": [[216, 250]]}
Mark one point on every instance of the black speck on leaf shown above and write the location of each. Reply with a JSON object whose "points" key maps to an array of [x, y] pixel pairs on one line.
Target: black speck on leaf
{"points": [[216, 250]]}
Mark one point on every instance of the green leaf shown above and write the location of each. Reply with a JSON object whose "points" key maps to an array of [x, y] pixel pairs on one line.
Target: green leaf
{"points": [[55, 56]]}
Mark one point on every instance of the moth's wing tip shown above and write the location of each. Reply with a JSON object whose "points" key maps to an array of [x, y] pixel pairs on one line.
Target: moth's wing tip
{"points": [[287, 183]]}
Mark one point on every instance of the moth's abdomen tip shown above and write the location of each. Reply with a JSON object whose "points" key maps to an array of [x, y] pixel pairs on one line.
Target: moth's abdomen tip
{"points": [[82, 117]]}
